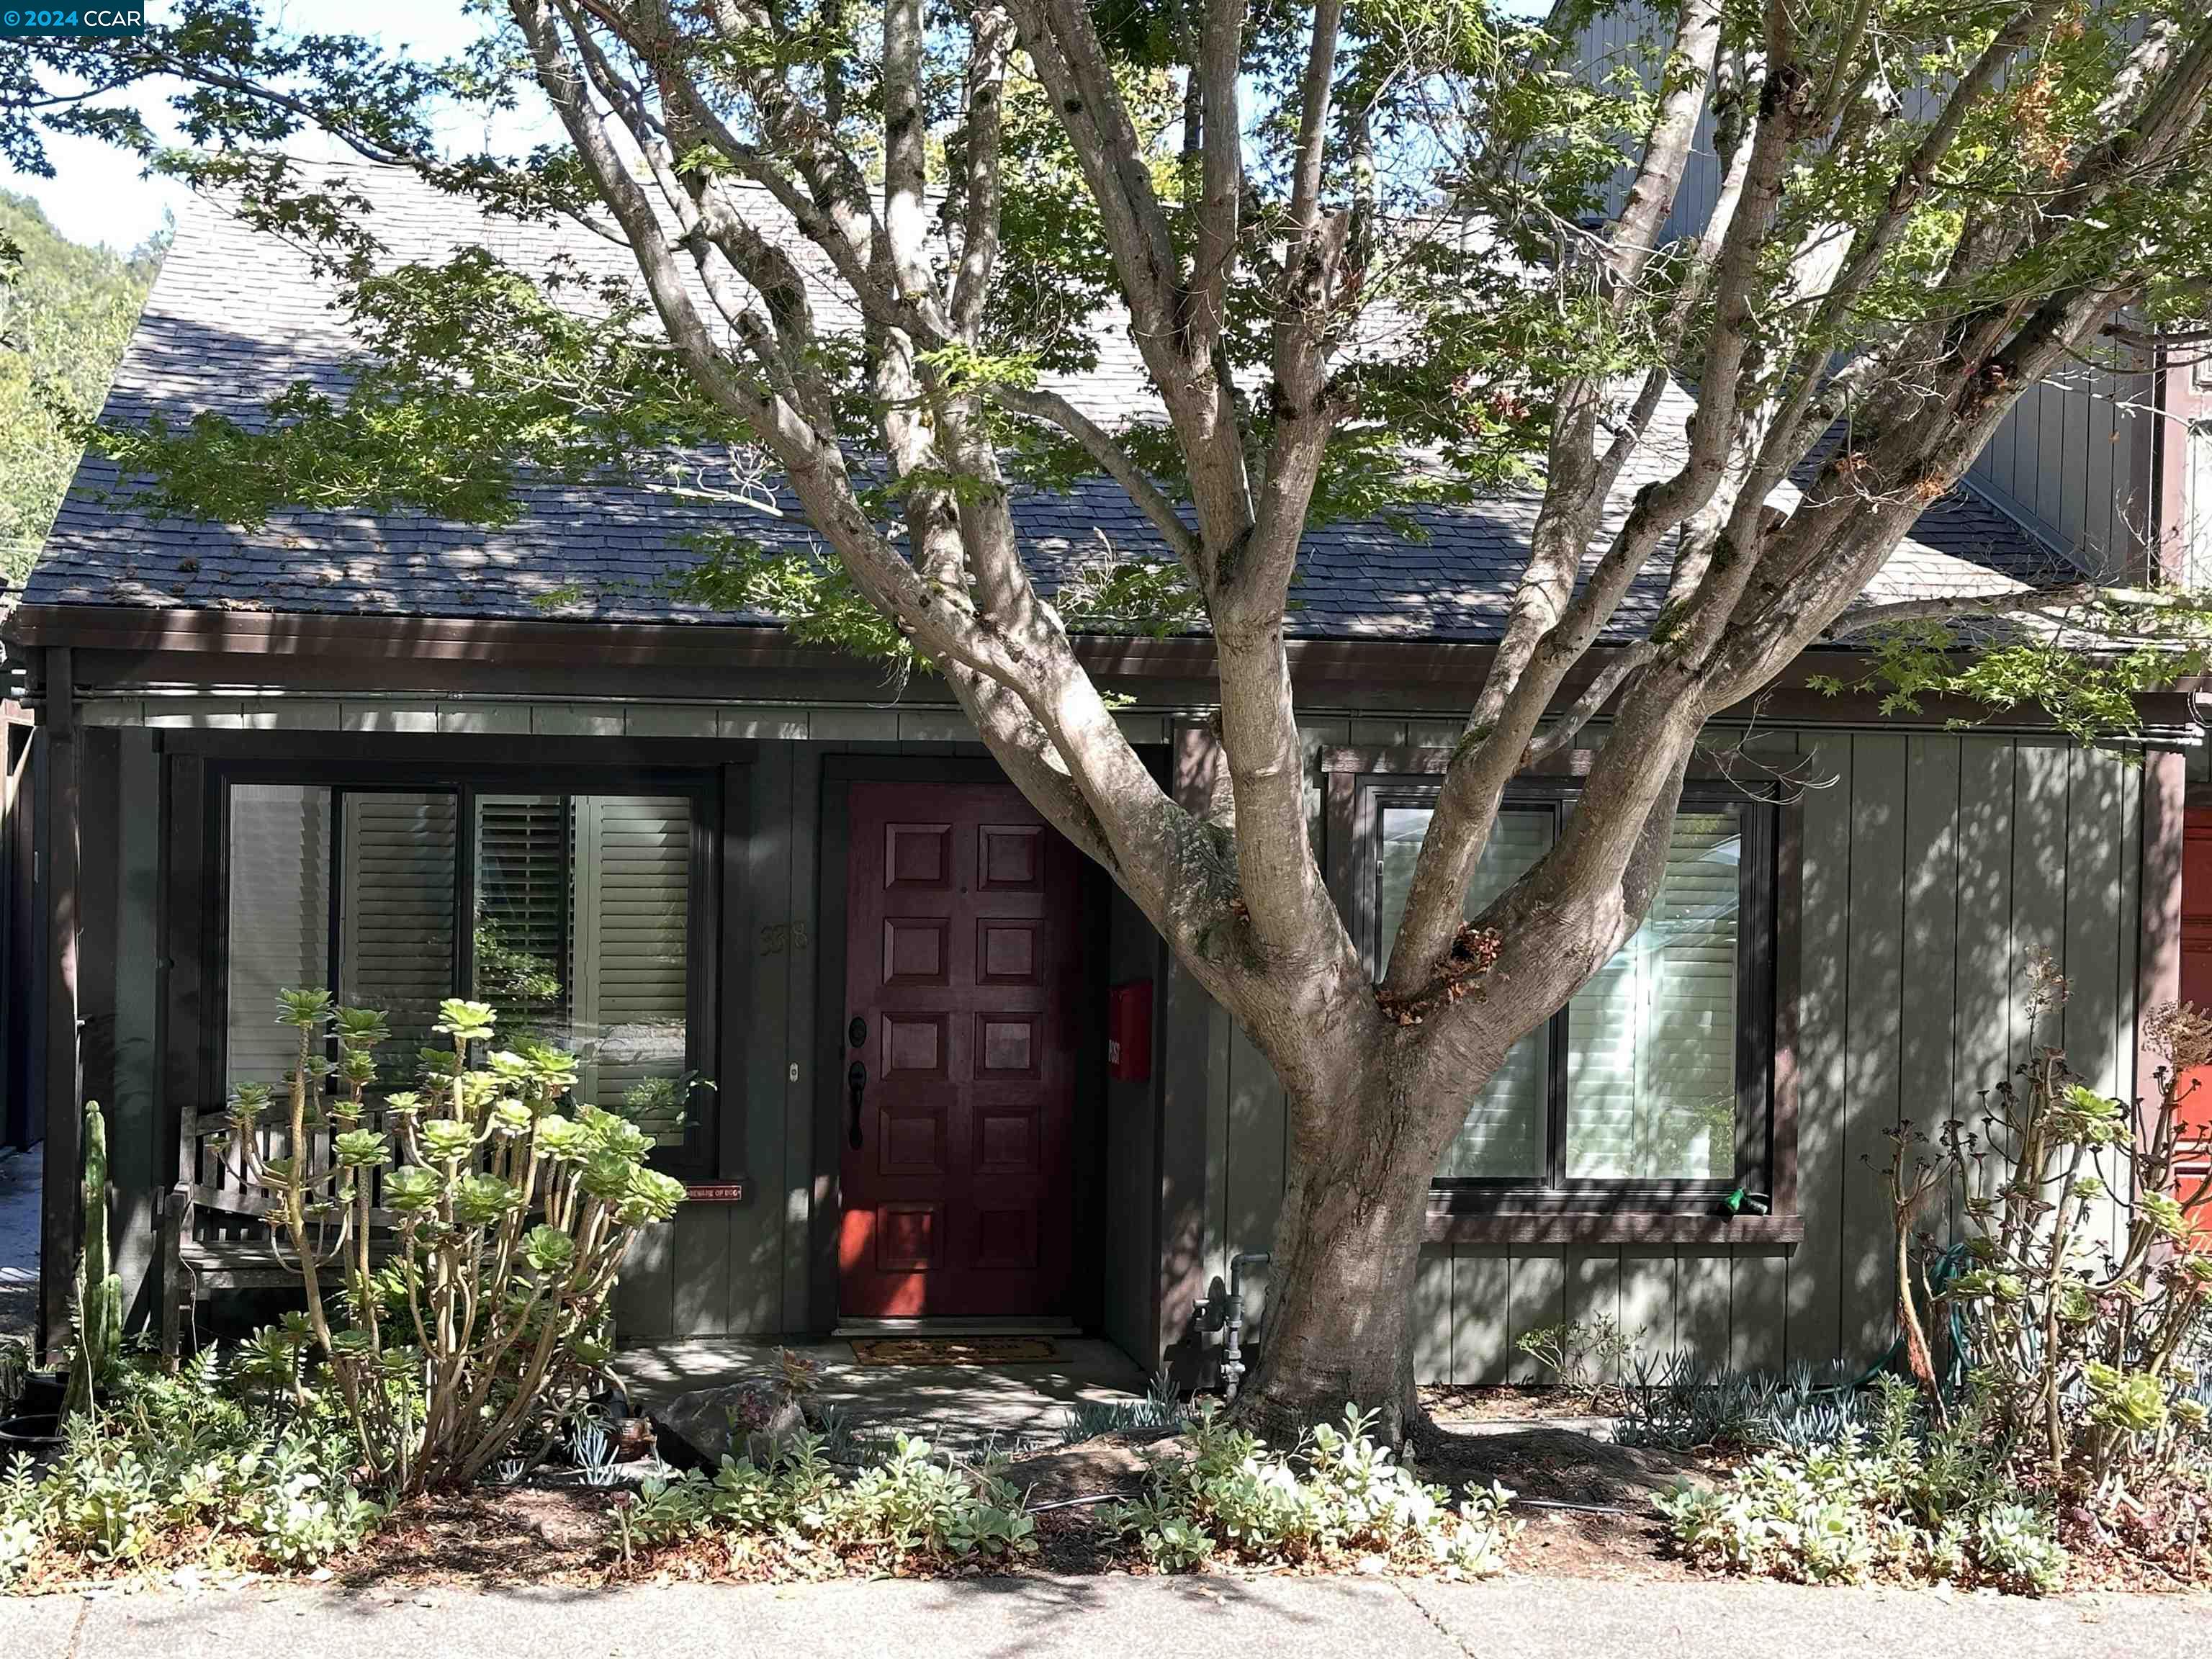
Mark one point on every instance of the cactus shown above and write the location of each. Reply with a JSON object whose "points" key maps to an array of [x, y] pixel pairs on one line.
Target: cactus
{"points": [[99, 1293]]}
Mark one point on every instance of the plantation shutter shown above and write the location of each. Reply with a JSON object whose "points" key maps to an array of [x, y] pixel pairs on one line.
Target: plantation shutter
{"points": [[631, 994], [279, 922], [1502, 1135], [1651, 1038], [396, 918], [522, 900]]}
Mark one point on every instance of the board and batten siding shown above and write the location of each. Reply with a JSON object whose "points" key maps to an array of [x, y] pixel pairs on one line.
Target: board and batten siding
{"points": [[1935, 865]]}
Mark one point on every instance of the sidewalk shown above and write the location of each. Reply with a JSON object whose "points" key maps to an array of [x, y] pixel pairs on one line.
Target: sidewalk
{"points": [[1516, 1618]]}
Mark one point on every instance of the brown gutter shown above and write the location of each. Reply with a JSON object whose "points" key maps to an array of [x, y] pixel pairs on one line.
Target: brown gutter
{"points": [[141, 631], [120, 648]]}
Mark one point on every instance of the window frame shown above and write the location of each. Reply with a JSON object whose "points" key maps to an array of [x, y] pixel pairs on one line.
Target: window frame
{"points": [[1360, 784], [697, 1155]]}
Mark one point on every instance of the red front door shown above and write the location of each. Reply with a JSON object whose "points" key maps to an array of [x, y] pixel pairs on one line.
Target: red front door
{"points": [[959, 954]]}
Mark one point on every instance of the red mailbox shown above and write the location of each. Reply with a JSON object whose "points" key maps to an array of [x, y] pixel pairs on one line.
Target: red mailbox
{"points": [[1129, 1030]]}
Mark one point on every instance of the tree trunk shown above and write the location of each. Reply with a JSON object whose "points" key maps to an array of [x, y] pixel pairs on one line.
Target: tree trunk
{"points": [[1340, 1287]]}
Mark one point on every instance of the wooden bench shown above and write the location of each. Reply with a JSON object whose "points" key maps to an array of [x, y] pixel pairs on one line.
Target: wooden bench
{"points": [[218, 1235]]}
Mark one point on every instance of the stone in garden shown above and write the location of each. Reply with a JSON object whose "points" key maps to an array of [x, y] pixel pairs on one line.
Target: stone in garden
{"points": [[755, 1417]]}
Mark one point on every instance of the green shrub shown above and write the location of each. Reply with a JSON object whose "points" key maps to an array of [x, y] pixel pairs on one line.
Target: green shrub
{"points": [[1905, 1498], [915, 1504], [1339, 1497], [512, 1217], [1583, 1356], [204, 1463], [2071, 1280], [2077, 1331]]}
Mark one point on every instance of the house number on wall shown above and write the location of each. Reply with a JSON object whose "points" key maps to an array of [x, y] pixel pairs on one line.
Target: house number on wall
{"points": [[781, 936]]}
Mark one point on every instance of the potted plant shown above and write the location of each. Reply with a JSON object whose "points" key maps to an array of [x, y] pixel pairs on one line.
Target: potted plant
{"points": [[45, 1400]]}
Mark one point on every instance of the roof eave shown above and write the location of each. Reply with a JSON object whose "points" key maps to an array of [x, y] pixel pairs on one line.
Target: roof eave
{"points": [[121, 648]]}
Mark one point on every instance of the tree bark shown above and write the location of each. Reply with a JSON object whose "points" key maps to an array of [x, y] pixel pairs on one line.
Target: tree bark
{"points": [[1339, 1289]]}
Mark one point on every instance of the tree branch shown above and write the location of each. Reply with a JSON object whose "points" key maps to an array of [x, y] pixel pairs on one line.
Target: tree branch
{"points": [[1096, 442]]}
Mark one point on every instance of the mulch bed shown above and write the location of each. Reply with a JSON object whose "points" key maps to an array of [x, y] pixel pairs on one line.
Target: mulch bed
{"points": [[516, 1535], [1506, 1402], [1585, 1503], [1611, 1532]]}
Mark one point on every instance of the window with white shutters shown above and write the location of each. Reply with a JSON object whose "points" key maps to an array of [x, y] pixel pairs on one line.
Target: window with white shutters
{"points": [[582, 940], [632, 894], [579, 928], [278, 921], [1645, 1080], [1651, 1040], [395, 915], [1504, 1134], [393, 890]]}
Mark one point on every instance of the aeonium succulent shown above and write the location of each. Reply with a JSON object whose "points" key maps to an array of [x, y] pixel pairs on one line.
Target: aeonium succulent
{"points": [[465, 1021], [511, 1219], [480, 1199], [412, 1189], [362, 1149]]}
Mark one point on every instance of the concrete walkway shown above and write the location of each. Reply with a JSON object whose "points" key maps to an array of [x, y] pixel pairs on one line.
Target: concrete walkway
{"points": [[947, 1404], [19, 1243], [1041, 1617]]}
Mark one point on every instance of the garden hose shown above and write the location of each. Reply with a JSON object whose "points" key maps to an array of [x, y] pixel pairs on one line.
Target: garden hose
{"points": [[1946, 1268]]}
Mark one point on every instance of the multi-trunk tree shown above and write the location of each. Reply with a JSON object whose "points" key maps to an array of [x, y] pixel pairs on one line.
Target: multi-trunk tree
{"points": [[1371, 255]]}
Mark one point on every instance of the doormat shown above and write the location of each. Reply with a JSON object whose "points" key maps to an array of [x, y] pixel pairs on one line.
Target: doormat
{"points": [[952, 1350]]}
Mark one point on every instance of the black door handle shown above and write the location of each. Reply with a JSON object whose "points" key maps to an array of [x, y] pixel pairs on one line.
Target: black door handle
{"points": [[856, 1079]]}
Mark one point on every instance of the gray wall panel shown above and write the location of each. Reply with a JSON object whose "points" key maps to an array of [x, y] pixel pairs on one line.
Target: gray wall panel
{"points": [[1934, 863]]}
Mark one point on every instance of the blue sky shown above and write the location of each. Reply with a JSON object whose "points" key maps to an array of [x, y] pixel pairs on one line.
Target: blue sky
{"points": [[97, 194]]}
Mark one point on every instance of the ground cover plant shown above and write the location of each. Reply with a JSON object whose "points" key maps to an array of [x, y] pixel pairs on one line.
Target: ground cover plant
{"points": [[914, 1510], [220, 1465], [2055, 1308], [1340, 1497], [1900, 1497]]}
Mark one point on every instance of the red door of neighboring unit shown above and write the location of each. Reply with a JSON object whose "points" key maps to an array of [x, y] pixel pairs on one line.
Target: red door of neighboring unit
{"points": [[2196, 988], [959, 953]]}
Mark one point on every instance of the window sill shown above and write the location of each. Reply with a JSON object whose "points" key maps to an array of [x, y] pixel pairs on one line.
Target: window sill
{"points": [[1608, 1227]]}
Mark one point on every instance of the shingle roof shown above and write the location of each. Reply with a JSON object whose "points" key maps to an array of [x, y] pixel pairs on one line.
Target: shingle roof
{"points": [[236, 317]]}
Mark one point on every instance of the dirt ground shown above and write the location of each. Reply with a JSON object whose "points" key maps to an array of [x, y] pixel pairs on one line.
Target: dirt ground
{"points": [[1586, 1502], [518, 1537], [1507, 1402], [545, 1537]]}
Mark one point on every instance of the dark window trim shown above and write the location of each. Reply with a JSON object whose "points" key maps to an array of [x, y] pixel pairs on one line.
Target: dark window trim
{"points": [[1359, 782], [710, 1049]]}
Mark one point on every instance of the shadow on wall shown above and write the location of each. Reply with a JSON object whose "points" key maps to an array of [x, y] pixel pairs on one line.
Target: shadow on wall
{"points": [[1938, 867]]}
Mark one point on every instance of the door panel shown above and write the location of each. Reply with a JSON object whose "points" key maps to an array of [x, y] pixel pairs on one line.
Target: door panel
{"points": [[960, 963]]}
